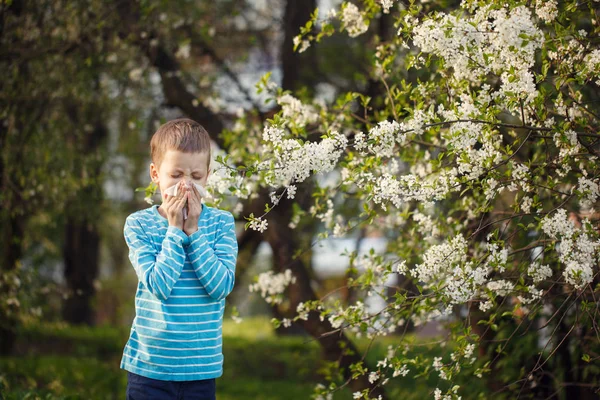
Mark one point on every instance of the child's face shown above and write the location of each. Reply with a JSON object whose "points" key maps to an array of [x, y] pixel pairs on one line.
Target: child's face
{"points": [[177, 166]]}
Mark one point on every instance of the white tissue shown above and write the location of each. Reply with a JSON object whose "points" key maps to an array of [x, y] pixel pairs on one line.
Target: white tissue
{"points": [[172, 191]]}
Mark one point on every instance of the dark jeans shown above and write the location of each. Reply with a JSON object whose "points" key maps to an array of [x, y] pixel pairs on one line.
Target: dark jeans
{"points": [[142, 388]]}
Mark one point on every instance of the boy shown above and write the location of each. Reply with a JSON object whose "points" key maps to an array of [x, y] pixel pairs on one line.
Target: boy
{"points": [[185, 269]]}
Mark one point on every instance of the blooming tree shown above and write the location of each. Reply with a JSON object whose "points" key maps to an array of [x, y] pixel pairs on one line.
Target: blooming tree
{"points": [[479, 162]]}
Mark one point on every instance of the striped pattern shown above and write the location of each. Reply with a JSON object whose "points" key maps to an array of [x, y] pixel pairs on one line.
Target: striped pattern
{"points": [[180, 299]]}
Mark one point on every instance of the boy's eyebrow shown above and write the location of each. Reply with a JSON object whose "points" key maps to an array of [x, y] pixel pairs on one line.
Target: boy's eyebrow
{"points": [[196, 170]]}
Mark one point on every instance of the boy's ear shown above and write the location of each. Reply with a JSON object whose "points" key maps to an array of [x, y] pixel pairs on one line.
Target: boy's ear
{"points": [[153, 173]]}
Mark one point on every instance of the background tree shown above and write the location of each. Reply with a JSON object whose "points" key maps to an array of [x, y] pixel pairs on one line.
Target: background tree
{"points": [[89, 72]]}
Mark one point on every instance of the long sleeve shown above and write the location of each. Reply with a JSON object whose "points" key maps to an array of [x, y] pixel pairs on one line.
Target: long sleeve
{"points": [[215, 268], [157, 270]]}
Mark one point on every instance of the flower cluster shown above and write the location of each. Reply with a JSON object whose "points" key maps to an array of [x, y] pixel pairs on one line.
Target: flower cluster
{"points": [[297, 113], [539, 272], [546, 10], [501, 41], [576, 250], [498, 257], [386, 5], [294, 161], [389, 189], [441, 259], [427, 226], [475, 146], [520, 174], [384, 137], [259, 224], [351, 316], [301, 44], [353, 21], [501, 287], [591, 65], [272, 286], [590, 191]]}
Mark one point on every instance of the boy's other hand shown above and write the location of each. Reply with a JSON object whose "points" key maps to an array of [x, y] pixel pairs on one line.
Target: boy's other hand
{"points": [[194, 210], [173, 206]]}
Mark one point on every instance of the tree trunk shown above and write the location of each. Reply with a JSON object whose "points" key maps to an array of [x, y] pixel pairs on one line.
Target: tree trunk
{"points": [[82, 241], [12, 229]]}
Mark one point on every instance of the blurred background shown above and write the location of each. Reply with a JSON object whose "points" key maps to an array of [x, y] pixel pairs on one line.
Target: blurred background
{"points": [[84, 86]]}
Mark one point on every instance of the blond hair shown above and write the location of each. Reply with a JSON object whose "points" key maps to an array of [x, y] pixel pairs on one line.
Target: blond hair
{"points": [[181, 134]]}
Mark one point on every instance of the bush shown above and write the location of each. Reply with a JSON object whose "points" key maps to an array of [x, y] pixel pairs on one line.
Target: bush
{"points": [[58, 361]]}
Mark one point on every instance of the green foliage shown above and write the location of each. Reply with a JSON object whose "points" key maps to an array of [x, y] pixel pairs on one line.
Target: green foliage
{"points": [[67, 362]]}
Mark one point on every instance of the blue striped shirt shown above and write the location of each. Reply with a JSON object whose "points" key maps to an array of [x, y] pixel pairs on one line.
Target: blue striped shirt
{"points": [[183, 281]]}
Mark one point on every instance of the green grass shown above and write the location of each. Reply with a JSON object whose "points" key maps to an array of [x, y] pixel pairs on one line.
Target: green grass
{"points": [[61, 377], [58, 361]]}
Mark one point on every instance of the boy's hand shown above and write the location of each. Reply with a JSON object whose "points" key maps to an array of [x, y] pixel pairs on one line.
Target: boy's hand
{"points": [[173, 206], [194, 209]]}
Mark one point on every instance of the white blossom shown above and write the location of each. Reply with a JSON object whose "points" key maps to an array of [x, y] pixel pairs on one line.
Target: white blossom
{"points": [[403, 370], [291, 191], [259, 224], [272, 285], [576, 249], [591, 64], [295, 111], [331, 14], [469, 350], [427, 227], [526, 204], [546, 10], [521, 174], [353, 20], [183, 51], [590, 191], [294, 161], [558, 225], [302, 311], [373, 376], [273, 134], [338, 230], [385, 135], [301, 44], [112, 58], [386, 5], [567, 144], [485, 305], [337, 319], [539, 272], [498, 256], [535, 293], [360, 142], [136, 74], [501, 287]]}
